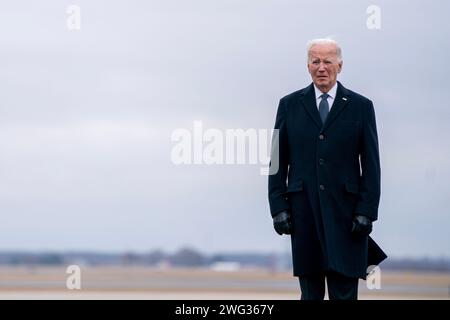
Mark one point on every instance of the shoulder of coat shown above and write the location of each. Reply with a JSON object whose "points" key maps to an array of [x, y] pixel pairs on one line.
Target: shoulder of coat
{"points": [[356, 97], [295, 95]]}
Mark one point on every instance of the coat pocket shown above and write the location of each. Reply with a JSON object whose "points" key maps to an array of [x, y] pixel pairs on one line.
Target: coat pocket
{"points": [[352, 187], [348, 123], [294, 186]]}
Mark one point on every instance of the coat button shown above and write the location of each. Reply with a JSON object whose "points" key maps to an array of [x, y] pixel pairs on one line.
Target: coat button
{"points": [[321, 137], [322, 187], [321, 161]]}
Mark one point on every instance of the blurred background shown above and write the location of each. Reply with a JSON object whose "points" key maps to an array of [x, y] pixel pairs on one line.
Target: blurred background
{"points": [[91, 93]]}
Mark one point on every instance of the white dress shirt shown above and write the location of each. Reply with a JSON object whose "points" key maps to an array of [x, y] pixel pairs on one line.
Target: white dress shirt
{"points": [[331, 95]]}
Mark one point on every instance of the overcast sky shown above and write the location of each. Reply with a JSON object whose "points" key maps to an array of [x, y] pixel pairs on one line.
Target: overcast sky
{"points": [[86, 118]]}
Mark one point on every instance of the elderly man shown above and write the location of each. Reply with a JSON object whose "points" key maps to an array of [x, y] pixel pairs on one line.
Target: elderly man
{"points": [[326, 190]]}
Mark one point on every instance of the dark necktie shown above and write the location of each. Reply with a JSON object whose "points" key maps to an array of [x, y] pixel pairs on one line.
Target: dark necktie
{"points": [[324, 108]]}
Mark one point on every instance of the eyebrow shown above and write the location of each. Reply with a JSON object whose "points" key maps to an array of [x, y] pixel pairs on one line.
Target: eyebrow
{"points": [[324, 59]]}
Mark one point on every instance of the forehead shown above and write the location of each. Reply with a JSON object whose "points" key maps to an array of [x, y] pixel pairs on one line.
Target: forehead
{"points": [[323, 51]]}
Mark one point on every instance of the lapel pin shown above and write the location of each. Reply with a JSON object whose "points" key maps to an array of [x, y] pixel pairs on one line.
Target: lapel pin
{"points": [[345, 99]]}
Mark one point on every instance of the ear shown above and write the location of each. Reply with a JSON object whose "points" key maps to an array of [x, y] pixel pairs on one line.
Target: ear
{"points": [[340, 66], [307, 66]]}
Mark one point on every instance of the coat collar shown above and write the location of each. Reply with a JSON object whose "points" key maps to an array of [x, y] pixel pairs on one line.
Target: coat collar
{"points": [[308, 101]]}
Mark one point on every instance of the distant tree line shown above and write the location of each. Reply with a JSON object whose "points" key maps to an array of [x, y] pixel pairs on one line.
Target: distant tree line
{"points": [[188, 257], [185, 257]]}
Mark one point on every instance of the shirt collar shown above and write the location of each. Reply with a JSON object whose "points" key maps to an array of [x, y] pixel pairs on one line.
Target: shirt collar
{"points": [[331, 93]]}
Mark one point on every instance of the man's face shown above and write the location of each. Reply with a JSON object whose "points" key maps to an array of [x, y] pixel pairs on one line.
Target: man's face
{"points": [[323, 65]]}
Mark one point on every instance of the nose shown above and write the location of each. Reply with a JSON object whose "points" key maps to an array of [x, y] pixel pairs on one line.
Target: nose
{"points": [[322, 67]]}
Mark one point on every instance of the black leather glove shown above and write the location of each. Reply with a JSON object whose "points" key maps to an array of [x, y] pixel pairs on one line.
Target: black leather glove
{"points": [[362, 225], [282, 223]]}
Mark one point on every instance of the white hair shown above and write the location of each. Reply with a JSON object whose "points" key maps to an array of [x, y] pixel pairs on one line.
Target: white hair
{"points": [[313, 42]]}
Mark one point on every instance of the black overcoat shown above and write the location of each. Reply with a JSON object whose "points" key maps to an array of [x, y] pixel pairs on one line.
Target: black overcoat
{"points": [[326, 173]]}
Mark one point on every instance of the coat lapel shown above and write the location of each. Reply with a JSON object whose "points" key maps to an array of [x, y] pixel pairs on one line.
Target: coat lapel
{"points": [[341, 100], [308, 101]]}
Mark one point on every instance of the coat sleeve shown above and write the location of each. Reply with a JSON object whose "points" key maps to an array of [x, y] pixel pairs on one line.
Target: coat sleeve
{"points": [[369, 195], [279, 161]]}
